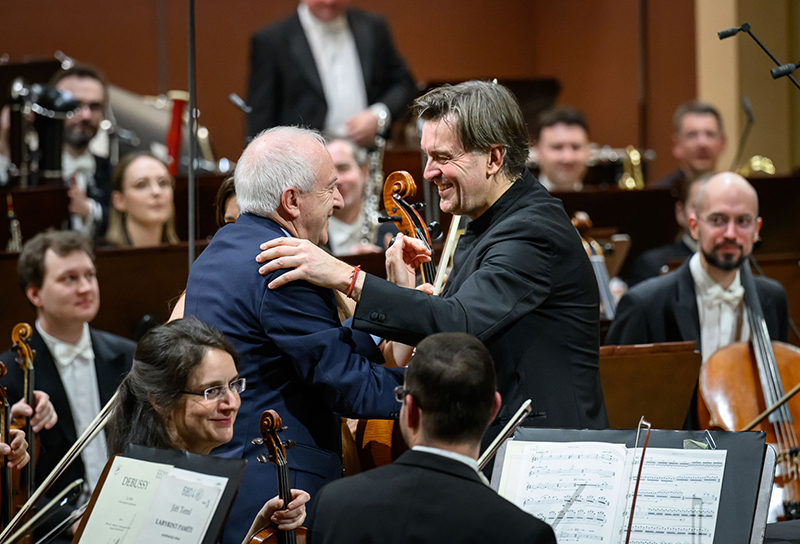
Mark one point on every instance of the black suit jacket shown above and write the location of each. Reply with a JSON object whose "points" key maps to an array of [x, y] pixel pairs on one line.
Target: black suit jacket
{"points": [[285, 87], [421, 497], [100, 192], [651, 263], [113, 357], [522, 283], [664, 309]]}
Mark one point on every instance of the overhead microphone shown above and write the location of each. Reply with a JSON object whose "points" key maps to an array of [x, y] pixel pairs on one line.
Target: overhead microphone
{"points": [[783, 70], [237, 101], [728, 32]]}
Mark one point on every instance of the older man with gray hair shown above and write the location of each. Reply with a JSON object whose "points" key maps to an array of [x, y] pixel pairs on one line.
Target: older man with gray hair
{"points": [[520, 282], [296, 357]]}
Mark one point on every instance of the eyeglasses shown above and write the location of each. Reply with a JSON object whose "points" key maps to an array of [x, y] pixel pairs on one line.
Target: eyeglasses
{"points": [[720, 220], [219, 391], [400, 393]]}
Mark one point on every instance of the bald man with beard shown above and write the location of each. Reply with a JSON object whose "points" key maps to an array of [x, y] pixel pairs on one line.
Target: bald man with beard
{"points": [[703, 300]]}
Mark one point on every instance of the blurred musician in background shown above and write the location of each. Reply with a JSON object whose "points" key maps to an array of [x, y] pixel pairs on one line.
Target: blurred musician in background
{"points": [[449, 398], [521, 281], [143, 206], [562, 149], [329, 68], [698, 140], [654, 262], [703, 299], [348, 228], [77, 366], [88, 176]]}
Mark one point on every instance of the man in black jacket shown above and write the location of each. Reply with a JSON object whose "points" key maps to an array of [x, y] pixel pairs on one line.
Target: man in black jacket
{"points": [[430, 494], [521, 281], [329, 68]]}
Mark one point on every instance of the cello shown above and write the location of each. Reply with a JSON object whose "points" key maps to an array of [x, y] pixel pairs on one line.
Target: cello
{"points": [[5, 471], [270, 425], [739, 380]]}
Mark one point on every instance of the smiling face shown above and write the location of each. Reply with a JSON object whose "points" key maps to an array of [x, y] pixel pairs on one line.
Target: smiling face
{"points": [[147, 194], [317, 205], [562, 152], [198, 425], [699, 143], [466, 180], [725, 222], [69, 295]]}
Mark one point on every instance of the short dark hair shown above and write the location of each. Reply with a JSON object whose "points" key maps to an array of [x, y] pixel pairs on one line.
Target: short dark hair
{"points": [[82, 71], [554, 116], [30, 266], [164, 360], [696, 108], [485, 114], [452, 379], [226, 190]]}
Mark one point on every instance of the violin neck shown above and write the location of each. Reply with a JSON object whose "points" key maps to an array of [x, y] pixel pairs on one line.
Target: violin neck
{"points": [[429, 271], [285, 493], [5, 472]]}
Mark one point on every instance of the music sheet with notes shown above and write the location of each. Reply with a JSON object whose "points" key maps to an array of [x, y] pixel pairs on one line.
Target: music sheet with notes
{"points": [[584, 490]]}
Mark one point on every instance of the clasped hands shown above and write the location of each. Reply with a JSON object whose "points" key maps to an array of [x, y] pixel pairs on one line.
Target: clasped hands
{"points": [[313, 264]]}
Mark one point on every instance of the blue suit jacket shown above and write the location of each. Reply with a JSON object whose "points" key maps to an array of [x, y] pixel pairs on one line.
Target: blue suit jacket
{"points": [[297, 358]]}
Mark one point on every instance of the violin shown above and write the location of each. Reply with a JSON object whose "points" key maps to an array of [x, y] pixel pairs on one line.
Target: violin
{"points": [[739, 380], [20, 336], [582, 223], [270, 425]]}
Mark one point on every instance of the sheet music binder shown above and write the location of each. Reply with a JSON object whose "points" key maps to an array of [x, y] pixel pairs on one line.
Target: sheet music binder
{"points": [[233, 469], [740, 483]]}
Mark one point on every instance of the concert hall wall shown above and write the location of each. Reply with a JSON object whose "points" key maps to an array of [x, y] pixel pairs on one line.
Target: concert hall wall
{"points": [[590, 47]]}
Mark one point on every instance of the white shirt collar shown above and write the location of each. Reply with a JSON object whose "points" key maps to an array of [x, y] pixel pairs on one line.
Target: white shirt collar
{"points": [[312, 24], [469, 461], [65, 353], [706, 285]]}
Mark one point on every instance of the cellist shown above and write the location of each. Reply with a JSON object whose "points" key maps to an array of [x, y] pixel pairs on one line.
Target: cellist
{"points": [[703, 300]]}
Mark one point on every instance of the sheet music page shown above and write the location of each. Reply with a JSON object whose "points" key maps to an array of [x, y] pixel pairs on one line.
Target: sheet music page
{"points": [[183, 507], [576, 487], [678, 497], [124, 501]]}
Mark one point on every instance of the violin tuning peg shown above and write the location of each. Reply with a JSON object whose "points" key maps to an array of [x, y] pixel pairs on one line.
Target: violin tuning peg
{"points": [[282, 429], [419, 206], [289, 444], [435, 230], [389, 219], [262, 458], [257, 441]]}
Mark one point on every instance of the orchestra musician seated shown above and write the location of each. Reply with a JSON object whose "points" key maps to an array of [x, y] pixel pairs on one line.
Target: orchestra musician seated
{"points": [[429, 493], [182, 393], [562, 149], [142, 206]]}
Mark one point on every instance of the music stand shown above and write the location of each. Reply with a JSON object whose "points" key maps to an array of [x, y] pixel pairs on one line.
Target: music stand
{"points": [[655, 380]]}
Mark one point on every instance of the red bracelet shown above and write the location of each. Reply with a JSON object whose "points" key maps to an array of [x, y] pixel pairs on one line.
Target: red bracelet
{"points": [[353, 278]]}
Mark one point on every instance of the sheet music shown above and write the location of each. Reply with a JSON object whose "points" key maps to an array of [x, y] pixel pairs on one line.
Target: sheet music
{"points": [[678, 497], [576, 487]]}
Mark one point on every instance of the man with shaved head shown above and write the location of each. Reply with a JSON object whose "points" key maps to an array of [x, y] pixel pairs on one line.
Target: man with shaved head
{"points": [[296, 357], [703, 299]]}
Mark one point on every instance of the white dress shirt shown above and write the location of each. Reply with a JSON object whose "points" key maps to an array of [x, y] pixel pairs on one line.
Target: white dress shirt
{"points": [[339, 67], [75, 365], [81, 169], [721, 311], [469, 461]]}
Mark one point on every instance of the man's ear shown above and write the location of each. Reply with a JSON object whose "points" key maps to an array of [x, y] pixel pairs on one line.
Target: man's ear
{"points": [[290, 202], [692, 222], [498, 402], [495, 160], [412, 413], [33, 295]]}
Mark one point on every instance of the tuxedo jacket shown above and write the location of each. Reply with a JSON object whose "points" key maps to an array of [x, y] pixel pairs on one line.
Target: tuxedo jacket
{"points": [[100, 192], [664, 309], [522, 283], [421, 497], [297, 359], [285, 87], [650, 263], [113, 356]]}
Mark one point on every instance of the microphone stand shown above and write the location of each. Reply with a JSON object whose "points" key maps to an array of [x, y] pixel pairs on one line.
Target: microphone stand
{"points": [[192, 133], [728, 32]]}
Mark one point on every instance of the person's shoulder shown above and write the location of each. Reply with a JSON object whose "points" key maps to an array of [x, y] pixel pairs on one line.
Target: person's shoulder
{"points": [[771, 288], [361, 16], [516, 519], [278, 27], [655, 287], [117, 343]]}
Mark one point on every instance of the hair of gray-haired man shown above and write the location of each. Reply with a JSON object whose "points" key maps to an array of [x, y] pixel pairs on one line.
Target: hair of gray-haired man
{"points": [[278, 158], [485, 115]]}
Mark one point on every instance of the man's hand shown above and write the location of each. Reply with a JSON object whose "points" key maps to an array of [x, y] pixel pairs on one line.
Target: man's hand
{"points": [[79, 203], [310, 263], [403, 259], [362, 128], [44, 417], [16, 453]]}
